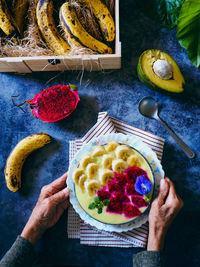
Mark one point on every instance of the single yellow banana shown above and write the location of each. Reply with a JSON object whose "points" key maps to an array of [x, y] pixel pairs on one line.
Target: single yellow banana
{"points": [[76, 33], [18, 156], [104, 18], [7, 23], [46, 24], [20, 8]]}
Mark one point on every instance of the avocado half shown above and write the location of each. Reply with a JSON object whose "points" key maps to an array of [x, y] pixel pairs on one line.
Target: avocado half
{"points": [[147, 75]]}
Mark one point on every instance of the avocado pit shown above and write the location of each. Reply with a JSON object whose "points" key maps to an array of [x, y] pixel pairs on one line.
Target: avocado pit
{"points": [[163, 69]]}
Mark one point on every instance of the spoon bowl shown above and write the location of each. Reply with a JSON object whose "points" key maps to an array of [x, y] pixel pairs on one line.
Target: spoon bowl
{"points": [[148, 107]]}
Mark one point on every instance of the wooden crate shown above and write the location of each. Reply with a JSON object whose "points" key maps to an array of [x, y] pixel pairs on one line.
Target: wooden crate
{"points": [[61, 63]]}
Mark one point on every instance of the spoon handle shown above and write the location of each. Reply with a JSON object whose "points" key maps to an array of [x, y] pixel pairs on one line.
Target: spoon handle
{"points": [[185, 148]]}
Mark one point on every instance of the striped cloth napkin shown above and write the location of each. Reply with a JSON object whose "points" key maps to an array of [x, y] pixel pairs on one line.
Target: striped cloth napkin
{"points": [[90, 235]]}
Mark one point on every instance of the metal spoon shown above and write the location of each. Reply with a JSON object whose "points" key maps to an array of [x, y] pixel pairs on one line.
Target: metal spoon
{"points": [[149, 108]]}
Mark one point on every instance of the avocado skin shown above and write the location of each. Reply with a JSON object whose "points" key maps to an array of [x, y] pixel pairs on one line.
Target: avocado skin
{"points": [[144, 79]]}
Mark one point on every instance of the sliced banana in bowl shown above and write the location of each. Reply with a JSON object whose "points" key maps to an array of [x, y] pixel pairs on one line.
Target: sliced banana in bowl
{"points": [[77, 174], [105, 176], [123, 152], [91, 170], [85, 161], [98, 151], [107, 161], [92, 186], [133, 160], [119, 165], [111, 146], [82, 181]]}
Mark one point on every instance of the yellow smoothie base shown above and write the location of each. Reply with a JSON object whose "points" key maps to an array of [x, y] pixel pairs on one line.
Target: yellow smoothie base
{"points": [[107, 217]]}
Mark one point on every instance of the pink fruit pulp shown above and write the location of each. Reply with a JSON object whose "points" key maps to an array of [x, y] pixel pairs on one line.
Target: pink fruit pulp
{"points": [[54, 103], [121, 192]]}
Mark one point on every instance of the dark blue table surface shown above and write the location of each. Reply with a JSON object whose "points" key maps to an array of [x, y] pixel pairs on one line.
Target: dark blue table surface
{"points": [[117, 92]]}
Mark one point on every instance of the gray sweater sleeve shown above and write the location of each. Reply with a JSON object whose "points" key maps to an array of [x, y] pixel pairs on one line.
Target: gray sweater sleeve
{"points": [[148, 259], [21, 254]]}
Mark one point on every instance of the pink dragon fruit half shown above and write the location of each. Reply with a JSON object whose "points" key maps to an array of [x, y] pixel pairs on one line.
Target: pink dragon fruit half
{"points": [[55, 103]]}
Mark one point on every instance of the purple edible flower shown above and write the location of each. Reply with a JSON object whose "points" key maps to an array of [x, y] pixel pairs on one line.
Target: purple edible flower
{"points": [[143, 185]]}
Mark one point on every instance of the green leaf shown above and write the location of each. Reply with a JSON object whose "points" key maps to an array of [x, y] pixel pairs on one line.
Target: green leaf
{"points": [[188, 30], [164, 11], [100, 205], [100, 210], [147, 198], [106, 202], [92, 206], [97, 199]]}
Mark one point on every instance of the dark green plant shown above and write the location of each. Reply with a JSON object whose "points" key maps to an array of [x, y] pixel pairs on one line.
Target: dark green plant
{"points": [[188, 30], [164, 11]]}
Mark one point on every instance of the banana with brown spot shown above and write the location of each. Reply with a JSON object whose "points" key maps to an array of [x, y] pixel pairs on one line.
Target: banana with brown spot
{"points": [[104, 18], [7, 23], [18, 156], [46, 24], [77, 34], [20, 8]]}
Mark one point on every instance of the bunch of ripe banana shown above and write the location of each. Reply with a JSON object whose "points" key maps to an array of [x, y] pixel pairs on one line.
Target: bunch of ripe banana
{"points": [[12, 22], [74, 30]]}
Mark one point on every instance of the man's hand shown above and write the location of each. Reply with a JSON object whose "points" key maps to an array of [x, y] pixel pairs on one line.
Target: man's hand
{"points": [[163, 210], [53, 200]]}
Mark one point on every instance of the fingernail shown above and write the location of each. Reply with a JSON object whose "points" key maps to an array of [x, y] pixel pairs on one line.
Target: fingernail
{"points": [[66, 191]]}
